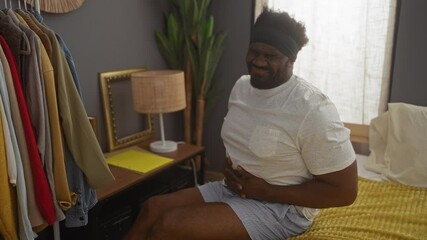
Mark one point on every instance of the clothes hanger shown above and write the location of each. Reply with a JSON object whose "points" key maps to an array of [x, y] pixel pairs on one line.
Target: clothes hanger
{"points": [[21, 11], [31, 8], [37, 5]]}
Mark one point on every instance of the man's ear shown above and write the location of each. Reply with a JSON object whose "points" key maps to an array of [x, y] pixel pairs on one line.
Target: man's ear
{"points": [[290, 64]]}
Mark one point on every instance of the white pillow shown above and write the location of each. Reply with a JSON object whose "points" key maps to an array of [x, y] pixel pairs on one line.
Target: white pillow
{"points": [[399, 144], [377, 143]]}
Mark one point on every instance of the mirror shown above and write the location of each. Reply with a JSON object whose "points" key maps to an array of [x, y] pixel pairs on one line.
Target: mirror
{"points": [[125, 127]]}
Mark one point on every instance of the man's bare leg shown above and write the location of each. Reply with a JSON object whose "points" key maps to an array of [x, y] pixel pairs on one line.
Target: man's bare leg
{"points": [[156, 206], [207, 221], [185, 215]]}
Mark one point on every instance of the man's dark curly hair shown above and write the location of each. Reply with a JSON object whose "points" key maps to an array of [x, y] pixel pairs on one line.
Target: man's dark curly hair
{"points": [[283, 22]]}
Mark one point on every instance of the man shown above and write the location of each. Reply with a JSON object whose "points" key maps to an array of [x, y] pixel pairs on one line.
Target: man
{"points": [[288, 154]]}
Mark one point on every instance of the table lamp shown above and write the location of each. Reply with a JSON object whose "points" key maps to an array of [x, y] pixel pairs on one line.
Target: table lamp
{"points": [[158, 92]]}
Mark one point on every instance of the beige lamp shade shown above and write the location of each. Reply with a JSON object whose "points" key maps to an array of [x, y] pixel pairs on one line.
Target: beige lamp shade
{"points": [[159, 91]]}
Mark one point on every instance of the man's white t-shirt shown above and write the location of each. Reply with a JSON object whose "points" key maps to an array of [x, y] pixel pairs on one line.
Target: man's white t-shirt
{"points": [[285, 135]]}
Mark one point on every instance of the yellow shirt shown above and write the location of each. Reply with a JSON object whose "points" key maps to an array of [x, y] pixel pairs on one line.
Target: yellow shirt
{"points": [[8, 217]]}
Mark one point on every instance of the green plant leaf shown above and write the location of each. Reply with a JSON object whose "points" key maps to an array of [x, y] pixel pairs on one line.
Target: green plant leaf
{"points": [[165, 49], [190, 39]]}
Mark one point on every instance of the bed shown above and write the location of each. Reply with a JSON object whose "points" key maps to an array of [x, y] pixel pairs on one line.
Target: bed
{"points": [[383, 209]]}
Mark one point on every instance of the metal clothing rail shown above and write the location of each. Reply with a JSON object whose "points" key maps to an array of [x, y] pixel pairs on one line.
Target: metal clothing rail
{"points": [[34, 3]]}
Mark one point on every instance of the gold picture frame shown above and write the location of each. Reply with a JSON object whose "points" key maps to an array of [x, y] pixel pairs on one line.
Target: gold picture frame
{"points": [[118, 110]]}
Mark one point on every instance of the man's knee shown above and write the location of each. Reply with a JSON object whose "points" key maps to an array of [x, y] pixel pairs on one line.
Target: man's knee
{"points": [[158, 230], [163, 228], [152, 206]]}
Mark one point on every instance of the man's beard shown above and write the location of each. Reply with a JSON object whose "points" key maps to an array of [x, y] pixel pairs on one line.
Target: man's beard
{"points": [[266, 81]]}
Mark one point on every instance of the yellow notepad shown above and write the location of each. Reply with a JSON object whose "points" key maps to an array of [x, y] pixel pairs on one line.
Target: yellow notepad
{"points": [[137, 160]]}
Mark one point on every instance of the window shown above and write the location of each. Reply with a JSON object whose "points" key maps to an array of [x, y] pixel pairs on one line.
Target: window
{"points": [[349, 52]]}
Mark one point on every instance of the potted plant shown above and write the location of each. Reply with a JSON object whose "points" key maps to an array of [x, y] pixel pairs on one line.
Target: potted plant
{"points": [[190, 44]]}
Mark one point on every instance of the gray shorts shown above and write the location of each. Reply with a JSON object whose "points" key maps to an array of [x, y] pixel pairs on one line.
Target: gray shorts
{"points": [[262, 220]]}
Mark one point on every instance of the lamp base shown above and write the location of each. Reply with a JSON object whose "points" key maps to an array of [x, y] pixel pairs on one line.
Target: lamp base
{"points": [[160, 147]]}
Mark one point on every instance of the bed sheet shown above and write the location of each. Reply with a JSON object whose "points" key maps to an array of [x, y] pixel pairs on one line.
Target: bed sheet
{"points": [[382, 211], [363, 172]]}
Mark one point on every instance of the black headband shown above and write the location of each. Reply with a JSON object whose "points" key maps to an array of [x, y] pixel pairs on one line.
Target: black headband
{"points": [[281, 41]]}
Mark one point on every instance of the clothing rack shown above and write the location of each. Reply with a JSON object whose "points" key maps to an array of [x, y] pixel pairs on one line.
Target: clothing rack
{"points": [[34, 3], [66, 78]]}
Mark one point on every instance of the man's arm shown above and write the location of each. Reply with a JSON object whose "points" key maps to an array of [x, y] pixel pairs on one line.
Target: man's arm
{"points": [[328, 190]]}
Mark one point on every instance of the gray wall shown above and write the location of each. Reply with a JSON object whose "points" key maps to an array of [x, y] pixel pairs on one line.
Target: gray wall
{"points": [[108, 35], [409, 83]]}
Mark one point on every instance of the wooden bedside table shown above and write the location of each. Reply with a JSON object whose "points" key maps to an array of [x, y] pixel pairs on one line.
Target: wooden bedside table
{"points": [[126, 178], [118, 204]]}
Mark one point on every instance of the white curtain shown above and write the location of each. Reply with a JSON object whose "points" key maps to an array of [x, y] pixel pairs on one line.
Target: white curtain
{"points": [[349, 52]]}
